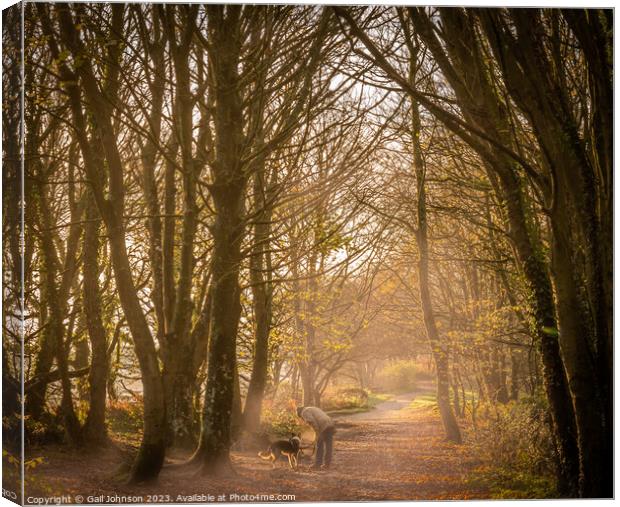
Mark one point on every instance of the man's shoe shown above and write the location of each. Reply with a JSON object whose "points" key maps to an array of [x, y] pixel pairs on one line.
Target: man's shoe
{"points": [[316, 467], [325, 466]]}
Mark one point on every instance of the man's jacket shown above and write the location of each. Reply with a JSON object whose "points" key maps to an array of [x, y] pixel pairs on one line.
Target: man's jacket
{"points": [[316, 418]]}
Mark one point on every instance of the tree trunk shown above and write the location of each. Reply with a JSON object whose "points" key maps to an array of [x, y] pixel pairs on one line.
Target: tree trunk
{"points": [[472, 85], [149, 156], [439, 349], [307, 383], [535, 80], [228, 191], [35, 398], [593, 434], [260, 266], [216, 437], [177, 347], [94, 428], [500, 366], [515, 375], [169, 232], [455, 396], [236, 418], [150, 456], [58, 295]]}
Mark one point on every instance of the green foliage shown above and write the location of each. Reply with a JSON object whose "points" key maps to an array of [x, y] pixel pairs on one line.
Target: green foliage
{"points": [[551, 331], [514, 485], [279, 416], [279, 421], [125, 418], [31, 464], [424, 401], [351, 401], [375, 398], [45, 431], [11, 469], [515, 444], [490, 322], [399, 376], [344, 399], [329, 238]]}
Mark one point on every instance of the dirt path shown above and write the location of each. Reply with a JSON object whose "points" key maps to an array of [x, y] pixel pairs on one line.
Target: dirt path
{"points": [[385, 410], [393, 452]]}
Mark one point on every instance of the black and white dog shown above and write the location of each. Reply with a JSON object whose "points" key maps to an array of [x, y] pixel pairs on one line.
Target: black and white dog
{"points": [[290, 448]]}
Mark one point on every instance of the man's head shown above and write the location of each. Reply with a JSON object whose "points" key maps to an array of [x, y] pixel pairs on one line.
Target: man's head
{"points": [[300, 410]]}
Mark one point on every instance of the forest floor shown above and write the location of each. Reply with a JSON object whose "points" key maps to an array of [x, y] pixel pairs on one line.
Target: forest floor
{"points": [[394, 452]]}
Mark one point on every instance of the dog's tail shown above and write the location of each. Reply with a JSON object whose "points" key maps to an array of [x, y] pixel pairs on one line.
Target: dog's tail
{"points": [[265, 455]]}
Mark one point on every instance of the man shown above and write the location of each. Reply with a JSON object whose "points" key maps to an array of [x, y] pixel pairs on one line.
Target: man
{"points": [[324, 428]]}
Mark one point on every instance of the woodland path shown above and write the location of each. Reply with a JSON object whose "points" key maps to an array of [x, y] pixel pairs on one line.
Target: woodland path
{"points": [[386, 410], [394, 452]]}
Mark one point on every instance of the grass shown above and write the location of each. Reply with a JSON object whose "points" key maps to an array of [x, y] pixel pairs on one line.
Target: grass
{"points": [[375, 398], [372, 401], [424, 401], [511, 484]]}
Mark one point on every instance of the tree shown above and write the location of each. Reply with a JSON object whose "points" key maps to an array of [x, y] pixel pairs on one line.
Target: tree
{"points": [[440, 350], [463, 64], [527, 43], [151, 454]]}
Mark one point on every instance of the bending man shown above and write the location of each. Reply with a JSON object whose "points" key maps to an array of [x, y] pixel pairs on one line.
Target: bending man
{"points": [[324, 428]]}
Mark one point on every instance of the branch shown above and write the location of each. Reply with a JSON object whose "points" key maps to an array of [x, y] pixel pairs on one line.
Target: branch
{"points": [[450, 120], [53, 376]]}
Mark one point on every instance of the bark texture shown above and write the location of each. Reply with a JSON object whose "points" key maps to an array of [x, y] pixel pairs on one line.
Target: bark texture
{"points": [[227, 190]]}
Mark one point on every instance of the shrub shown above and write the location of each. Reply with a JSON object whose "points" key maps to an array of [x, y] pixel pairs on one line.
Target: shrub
{"points": [[399, 376], [280, 420], [514, 442], [346, 399], [125, 418], [48, 430], [12, 478]]}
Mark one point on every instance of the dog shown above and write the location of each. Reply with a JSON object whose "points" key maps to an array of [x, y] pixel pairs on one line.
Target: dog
{"points": [[290, 448]]}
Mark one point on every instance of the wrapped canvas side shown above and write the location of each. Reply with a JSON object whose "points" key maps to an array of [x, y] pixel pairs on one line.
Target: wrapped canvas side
{"points": [[12, 255]]}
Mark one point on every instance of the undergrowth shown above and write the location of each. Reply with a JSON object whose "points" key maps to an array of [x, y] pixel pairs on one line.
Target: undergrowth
{"points": [[514, 444], [424, 401], [354, 404], [125, 420], [400, 376], [279, 417]]}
